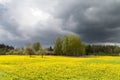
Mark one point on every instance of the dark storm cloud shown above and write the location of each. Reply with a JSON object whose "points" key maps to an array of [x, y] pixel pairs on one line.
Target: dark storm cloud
{"points": [[97, 20], [27, 21]]}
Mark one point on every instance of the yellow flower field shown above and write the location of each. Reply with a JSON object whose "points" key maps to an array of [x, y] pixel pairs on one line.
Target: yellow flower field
{"points": [[59, 68]]}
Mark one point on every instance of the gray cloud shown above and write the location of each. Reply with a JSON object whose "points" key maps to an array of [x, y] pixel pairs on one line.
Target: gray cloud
{"points": [[26, 21], [97, 21]]}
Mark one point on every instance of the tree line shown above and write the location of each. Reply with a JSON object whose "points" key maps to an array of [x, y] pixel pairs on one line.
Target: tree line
{"points": [[68, 45], [102, 50], [71, 45], [5, 48]]}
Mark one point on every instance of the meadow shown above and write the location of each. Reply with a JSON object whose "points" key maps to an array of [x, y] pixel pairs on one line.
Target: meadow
{"points": [[59, 68]]}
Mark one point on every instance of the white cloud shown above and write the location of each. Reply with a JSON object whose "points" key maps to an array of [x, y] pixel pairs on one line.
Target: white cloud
{"points": [[35, 21], [4, 1]]}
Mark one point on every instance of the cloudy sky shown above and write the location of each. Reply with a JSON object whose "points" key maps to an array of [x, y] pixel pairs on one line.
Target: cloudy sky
{"points": [[27, 21]]}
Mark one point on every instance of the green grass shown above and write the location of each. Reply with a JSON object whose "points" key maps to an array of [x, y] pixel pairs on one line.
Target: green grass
{"points": [[59, 68]]}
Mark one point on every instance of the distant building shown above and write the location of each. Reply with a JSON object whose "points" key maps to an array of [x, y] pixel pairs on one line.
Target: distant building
{"points": [[49, 52]]}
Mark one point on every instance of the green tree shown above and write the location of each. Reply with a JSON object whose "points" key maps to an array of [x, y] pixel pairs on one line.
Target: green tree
{"points": [[50, 48], [29, 50], [65, 47], [58, 47], [36, 46], [72, 46]]}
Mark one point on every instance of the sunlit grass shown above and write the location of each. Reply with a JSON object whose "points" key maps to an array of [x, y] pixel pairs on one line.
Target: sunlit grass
{"points": [[59, 68]]}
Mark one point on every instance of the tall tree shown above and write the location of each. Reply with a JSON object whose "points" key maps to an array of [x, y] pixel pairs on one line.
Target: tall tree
{"points": [[50, 48], [72, 45], [36, 46], [29, 50], [57, 47], [65, 47]]}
